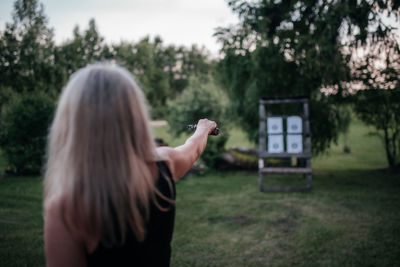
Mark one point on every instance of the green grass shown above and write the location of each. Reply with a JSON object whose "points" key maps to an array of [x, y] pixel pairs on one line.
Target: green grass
{"points": [[351, 218], [3, 163], [238, 137], [367, 151], [21, 222]]}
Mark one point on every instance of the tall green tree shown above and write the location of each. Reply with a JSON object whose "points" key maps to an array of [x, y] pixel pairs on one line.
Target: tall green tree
{"points": [[27, 50], [84, 48], [201, 99], [381, 109], [28, 78], [23, 131], [144, 60], [296, 48], [182, 63], [376, 69]]}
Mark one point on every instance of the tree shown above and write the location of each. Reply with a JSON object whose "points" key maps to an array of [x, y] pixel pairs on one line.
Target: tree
{"points": [[201, 100], [85, 48], [144, 60], [27, 86], [23, 131], [182, 63], [377, 72], [27, 51], [296, 48], [381, 109], [163, 72]]}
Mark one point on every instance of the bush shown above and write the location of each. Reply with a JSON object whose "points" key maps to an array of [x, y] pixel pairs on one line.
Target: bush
{"points": [[212, 154], [381, 108], [200, 100], [24, 126]]}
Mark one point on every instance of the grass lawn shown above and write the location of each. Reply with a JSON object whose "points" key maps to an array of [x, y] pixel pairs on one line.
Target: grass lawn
{"points": [[3, 163], [351, 218]]}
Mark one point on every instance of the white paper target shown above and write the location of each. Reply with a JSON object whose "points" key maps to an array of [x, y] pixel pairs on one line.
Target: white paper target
{"points": [[275, 143], [294, 124], [274, 125], [294, 143]]}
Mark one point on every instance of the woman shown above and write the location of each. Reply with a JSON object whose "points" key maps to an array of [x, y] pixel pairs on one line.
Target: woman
{"points": [[109, 192]]}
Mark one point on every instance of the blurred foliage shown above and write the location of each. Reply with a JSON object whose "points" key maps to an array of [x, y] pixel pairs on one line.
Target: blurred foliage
{"points": [[86, 47], [31, 63], [201, 100], [212, 155], [24, 127], [29, 59], [377, 72], [162, 72], [296, 48], [381, 109], [345, 119], [27, 51], [377, 64]]}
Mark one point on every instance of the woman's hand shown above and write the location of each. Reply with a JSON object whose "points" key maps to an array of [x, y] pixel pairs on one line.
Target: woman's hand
{"points": [[206, 125]]}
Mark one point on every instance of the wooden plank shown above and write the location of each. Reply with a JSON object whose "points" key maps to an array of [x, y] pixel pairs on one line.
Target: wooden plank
{"points": [[286, 134], [283, 101], [284, 188], [284, 155], [277, 170], [285, 116], [262, 135], [308, 143]]}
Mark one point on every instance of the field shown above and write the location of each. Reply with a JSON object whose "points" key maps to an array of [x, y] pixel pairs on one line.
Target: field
{"points": [[351, 218]]}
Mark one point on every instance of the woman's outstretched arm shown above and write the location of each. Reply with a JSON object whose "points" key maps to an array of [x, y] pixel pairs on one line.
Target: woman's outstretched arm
{"points": [[181, 158]]}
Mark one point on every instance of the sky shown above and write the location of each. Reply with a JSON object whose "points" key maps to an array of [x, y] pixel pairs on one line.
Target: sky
{"points": [[179, 22]]}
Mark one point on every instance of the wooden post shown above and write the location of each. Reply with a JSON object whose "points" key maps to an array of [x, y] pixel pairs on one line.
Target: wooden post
{"points": [[262, 144], [307, 142]]}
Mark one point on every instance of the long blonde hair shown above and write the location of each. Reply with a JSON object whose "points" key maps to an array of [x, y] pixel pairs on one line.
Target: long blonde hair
{"points": [[100, 153]]}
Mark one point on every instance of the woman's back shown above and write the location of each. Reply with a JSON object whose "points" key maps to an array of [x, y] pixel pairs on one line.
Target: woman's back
{"points": [[101, 181], [155, 250]]}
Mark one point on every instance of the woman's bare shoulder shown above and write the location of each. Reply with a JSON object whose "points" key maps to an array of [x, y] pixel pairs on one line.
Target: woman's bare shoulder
{"points": [[52, 208], [62, 249], [168, 154], [58, 225]]}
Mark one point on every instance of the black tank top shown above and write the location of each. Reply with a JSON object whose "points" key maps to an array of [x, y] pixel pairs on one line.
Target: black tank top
{"points": [[155, 250]]}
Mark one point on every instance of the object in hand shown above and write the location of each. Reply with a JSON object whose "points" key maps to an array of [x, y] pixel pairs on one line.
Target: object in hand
{"points": [[194, 126]]}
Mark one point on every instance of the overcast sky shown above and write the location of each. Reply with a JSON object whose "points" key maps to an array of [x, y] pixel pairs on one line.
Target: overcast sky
{"points": [[180, 22]]}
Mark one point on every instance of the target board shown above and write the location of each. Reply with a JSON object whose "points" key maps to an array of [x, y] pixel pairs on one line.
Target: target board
{"points": [[284, 137], [294, 137]]}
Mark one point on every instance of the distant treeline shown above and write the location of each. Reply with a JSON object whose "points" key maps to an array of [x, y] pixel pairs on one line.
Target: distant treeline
{"points": [[31, 61]]}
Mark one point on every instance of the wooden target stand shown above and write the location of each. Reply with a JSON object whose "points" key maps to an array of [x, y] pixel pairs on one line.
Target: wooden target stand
{"points": [[266, 152]]}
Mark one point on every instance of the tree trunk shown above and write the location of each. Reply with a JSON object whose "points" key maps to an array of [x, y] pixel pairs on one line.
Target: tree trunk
{"points": [[389, 155]]}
